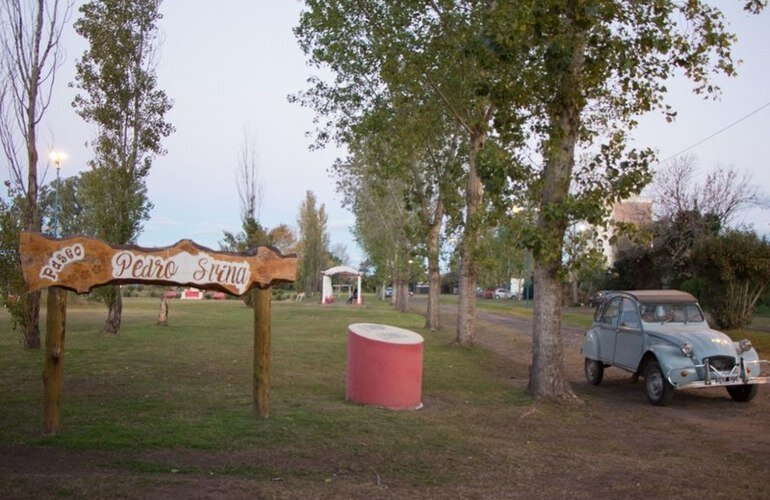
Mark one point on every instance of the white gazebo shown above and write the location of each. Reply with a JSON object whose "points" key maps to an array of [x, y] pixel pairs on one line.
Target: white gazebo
{"points": [[327, 295]]}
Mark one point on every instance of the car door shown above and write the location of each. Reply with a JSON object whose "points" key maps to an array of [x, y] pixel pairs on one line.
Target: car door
{"points": [[607, 331], [629, 341]]}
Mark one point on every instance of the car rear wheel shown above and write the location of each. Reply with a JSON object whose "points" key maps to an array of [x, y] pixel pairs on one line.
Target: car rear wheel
{"points": [[594, 371], [743, 393], [657, 389]]}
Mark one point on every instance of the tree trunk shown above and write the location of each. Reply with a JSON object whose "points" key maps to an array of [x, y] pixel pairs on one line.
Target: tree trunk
{"points": [[163, 314], [466, 302], [432, 315], [575, 297], [401, 293], [547, 374], [31, 213], [115, 312], [32, 320]]}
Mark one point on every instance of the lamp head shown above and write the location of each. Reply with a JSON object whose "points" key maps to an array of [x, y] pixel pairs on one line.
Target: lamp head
{"points": [[57, 157]]}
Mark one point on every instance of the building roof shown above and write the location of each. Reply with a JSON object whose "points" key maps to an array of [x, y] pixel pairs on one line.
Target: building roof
{"points": [[344, 270]]}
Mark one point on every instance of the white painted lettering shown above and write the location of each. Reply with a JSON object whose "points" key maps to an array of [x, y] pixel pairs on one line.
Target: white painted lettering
{"points": [[60, 259]]}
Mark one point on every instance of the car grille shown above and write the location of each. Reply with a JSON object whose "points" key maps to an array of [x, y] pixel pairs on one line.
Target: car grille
{"points": [[721, 363]]}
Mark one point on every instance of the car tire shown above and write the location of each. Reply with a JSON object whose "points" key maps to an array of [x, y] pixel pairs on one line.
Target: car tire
{"points": [[657, 389], [743, 393], [594, 371]]}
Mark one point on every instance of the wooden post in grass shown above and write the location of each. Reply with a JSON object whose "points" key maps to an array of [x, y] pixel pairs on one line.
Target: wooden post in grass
{"points": [[54, 358], [262, 298]]}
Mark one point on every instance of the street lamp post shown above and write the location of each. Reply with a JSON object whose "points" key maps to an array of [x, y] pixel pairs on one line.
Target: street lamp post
{"points": [[57, 158]]}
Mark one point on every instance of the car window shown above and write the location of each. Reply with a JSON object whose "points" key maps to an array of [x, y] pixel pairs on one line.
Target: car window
{"points": [[611, 311], [629, 316], [694, 313], [673, 313]]}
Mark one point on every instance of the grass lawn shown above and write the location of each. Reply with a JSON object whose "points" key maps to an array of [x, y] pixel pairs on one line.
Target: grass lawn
{"points": [[188, 386], [166, 412]]}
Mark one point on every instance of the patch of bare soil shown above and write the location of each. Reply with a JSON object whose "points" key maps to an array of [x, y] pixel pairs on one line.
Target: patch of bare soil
{"points": [[608, 443], [612, 442]]}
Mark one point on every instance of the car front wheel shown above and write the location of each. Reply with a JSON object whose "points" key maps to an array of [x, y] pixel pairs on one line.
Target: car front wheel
{"points": [[657, 389], [594, 371], [743, 393]]}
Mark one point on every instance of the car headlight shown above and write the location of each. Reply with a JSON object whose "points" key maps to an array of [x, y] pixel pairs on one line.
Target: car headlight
{"points": [[744, 345], [687, 349]]}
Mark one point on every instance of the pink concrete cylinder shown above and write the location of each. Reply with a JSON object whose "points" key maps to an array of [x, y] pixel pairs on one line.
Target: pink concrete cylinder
{"points": [[384, 366]]}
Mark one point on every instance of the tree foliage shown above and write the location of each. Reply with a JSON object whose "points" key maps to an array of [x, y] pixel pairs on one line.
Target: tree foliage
{"points": [[12, 283], [570, 77], [29, 58], [590, 68], [411, 57], [400, 179], [119, 95], [732, 272], [313, 243]]}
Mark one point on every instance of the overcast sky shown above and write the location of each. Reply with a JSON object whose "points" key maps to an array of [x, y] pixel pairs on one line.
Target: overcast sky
{"points": [[229, 65]]}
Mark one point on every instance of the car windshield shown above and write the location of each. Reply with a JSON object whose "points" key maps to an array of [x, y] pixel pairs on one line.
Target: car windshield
{"points": [[670, 313]]}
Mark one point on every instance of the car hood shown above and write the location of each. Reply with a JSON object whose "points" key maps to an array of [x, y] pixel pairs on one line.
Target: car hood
{"points": [[705, 341]]}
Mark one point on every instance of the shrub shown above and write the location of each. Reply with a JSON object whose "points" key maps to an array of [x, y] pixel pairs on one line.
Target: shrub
{"points": [[733, 271]]}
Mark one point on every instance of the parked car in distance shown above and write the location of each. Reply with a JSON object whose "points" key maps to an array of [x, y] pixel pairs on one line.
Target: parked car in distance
{"points": [[388, 292], [663, 336], [502, 293]]}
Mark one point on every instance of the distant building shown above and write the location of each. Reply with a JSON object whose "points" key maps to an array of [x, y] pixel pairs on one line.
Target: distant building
{"points": [[633, 210]]}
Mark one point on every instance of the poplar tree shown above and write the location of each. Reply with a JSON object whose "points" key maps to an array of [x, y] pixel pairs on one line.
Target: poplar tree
{"points": [[570, 77], [425, 54], [590, 68], [119, 95], [313, 243]]}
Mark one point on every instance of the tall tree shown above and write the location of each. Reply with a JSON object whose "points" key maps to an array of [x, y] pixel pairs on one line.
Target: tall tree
{"points": [[405, 163], [29, 40], [313, 243], [250, 194], [422, 53], [250, 189], [383, 222], [119, 95], [593, 66]]}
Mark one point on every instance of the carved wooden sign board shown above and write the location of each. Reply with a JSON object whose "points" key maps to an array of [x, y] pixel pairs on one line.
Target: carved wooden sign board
{"points": [[82, 263]]}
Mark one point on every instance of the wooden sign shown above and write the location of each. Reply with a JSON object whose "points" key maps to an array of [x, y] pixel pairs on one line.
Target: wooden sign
{"points": [[82, 263]]}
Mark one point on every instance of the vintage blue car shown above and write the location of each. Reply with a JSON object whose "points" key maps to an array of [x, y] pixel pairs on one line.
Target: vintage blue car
{"points": [[663, 336]]}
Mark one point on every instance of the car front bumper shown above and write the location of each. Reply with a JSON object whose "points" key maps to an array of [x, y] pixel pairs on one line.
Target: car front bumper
{"points": [[704, 375]]}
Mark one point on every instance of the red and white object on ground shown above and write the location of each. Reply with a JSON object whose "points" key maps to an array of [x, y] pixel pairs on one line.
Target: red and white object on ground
{"points": [[384, 366]]}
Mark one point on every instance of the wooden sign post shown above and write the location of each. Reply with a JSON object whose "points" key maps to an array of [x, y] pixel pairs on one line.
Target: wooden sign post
{"points": [[81, 263], [262, 334], [54, 358]]}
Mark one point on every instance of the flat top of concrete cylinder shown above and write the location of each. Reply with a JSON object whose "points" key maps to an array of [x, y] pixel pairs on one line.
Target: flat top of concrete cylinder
{"points": [[385, 333]]}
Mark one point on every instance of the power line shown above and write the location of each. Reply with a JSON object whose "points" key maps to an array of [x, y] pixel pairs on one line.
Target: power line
{"points": [[736, 122]]}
